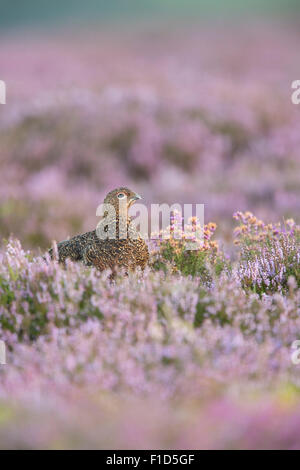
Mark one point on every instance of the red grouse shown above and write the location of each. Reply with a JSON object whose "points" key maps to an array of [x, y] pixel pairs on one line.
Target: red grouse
{"points": [[126, 249]]}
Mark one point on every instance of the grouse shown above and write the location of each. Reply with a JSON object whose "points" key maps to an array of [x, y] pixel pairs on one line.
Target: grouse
{"points": [[125, 249]]}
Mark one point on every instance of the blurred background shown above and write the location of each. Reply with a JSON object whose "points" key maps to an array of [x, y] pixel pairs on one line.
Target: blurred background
{"points": [[35, 12], [183, 101]]}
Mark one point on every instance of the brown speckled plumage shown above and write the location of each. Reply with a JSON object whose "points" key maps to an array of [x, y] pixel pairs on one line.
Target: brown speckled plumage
{"points": [[128, 253]]}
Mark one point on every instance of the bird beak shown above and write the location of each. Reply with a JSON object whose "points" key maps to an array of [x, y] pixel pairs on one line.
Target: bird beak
{"points": [[135, 197]]}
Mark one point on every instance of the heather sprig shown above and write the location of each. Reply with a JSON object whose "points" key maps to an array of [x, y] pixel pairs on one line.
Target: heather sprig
{"points": [[173, 248], [269, 254]]}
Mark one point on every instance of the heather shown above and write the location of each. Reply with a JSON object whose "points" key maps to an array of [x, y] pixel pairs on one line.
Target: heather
{"points": [[78, 340], [269, 253], [195, 352]]}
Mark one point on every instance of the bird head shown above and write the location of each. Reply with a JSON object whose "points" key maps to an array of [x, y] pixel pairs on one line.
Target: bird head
{"points": [[121, 198]]}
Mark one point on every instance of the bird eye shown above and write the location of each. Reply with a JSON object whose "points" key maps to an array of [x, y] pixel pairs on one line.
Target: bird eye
{"points": [[121, 195]]}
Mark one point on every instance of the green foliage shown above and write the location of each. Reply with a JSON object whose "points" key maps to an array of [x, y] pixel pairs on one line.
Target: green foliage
{"points": [[6, 294]]}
